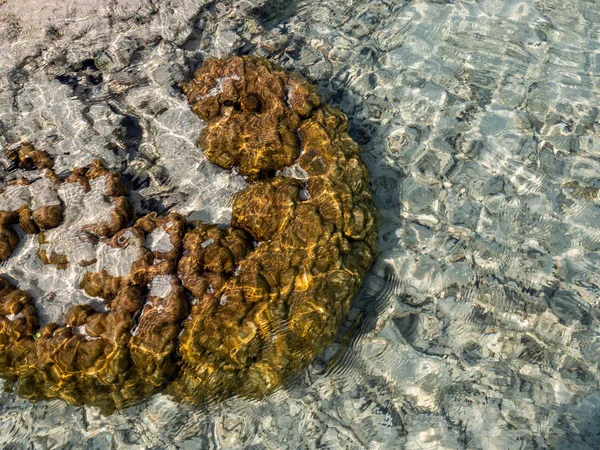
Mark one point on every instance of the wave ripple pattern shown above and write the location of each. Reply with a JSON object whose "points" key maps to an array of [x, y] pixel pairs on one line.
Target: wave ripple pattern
{"points": [[479, 120]]}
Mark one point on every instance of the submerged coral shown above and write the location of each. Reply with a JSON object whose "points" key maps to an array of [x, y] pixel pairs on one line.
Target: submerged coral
{"points": [[203, 311], [34, 206]]}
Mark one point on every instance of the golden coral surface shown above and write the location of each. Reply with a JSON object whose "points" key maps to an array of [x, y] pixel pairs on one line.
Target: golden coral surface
{"points": [[215, 311]]}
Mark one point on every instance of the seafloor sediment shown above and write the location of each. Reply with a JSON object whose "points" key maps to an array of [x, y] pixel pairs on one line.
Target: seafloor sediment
{"points": [[201, 310]]}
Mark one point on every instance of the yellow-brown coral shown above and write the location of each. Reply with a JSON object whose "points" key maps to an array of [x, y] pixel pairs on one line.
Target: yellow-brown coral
{"points": [[19, 206], [213, 312]]}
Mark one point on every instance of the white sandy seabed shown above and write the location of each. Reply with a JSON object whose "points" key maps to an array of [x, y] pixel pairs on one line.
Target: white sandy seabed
{"points": [[478, 327]]}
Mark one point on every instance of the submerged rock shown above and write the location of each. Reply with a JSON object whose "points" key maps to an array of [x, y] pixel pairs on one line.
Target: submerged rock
{"points": [[199, 310]]}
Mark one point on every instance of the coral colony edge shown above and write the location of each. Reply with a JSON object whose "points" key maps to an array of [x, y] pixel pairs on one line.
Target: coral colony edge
{"points": [[191, 309]]}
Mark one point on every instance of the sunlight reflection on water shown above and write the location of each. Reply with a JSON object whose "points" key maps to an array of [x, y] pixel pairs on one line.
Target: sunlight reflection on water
{"points": [[478, 327]]}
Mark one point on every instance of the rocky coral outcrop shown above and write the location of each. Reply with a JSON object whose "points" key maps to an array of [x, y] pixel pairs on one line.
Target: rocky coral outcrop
{"points": [[33, 205], [200, 310]]}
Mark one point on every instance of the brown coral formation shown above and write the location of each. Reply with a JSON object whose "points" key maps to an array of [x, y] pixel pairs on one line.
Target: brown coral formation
{"points": [[108, 185], [33, 206], [27, 157], [253, 113], [203, 311]]}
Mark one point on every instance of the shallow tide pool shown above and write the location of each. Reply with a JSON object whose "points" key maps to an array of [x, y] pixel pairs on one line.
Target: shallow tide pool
{"points": [[478, 326]]}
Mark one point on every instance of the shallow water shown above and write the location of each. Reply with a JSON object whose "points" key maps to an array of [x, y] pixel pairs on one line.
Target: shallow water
{"points": [[479, 120]]}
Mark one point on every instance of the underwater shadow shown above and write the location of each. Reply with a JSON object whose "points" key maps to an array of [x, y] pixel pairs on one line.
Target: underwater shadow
{"points": [[272, 12]]}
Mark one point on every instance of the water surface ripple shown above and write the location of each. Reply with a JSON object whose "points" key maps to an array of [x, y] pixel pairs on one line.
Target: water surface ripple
{"points": [[479, 119]]}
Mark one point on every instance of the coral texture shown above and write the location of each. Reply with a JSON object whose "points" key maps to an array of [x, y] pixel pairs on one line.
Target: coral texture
{"points": [[202, 311], [33, 206]]}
